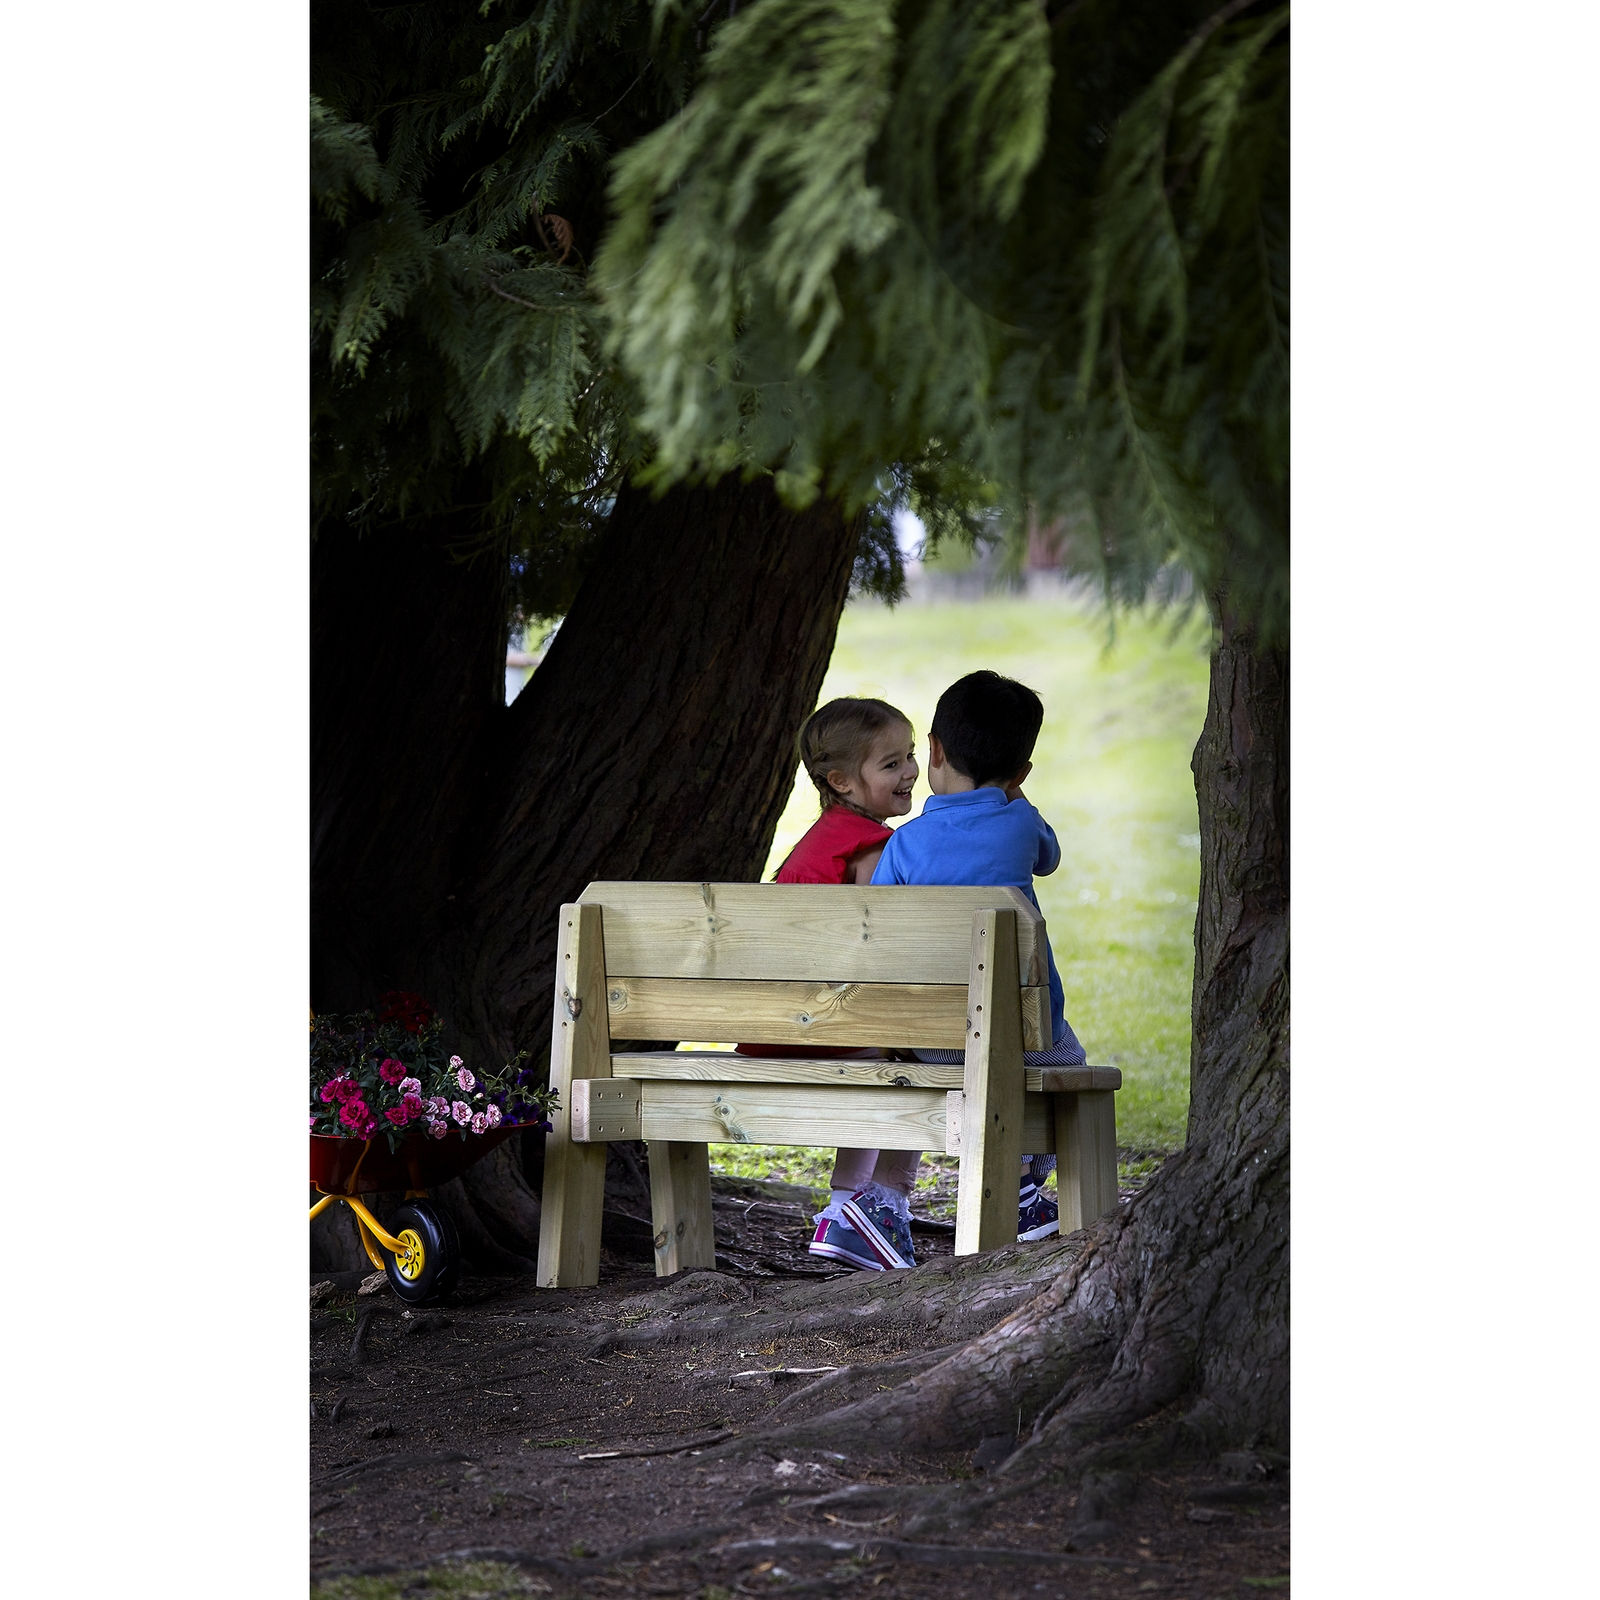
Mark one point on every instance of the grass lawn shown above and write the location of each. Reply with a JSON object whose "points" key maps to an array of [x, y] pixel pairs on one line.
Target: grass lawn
{"points": [[1111, 774]]}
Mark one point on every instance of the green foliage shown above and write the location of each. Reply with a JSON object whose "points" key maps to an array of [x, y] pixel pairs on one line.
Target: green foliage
{"points": [[458, 160], [1050, 256]]}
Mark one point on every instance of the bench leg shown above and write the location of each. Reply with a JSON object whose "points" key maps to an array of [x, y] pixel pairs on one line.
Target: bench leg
{"points": [[580, 1047], [1086, 1156], [680, 1206], [992, 1081]]}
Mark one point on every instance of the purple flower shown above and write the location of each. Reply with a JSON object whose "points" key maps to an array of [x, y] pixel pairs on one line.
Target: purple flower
{"points": [[490, 1115], [479, 1123], [462, 1112], [464, 1079], [437, 1130], [439, 1106], [411, 1086]]}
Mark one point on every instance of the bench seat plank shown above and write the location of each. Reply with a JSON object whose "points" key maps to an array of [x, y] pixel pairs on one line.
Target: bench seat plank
{"points": [[761, 1113]]}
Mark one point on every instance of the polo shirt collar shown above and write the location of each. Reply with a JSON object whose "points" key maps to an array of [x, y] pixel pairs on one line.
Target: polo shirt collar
{"points": [[988, 796]]}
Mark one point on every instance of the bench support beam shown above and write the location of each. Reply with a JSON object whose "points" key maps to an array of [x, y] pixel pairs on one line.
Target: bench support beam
{"points": [[580, 1047], [991, 1128]]}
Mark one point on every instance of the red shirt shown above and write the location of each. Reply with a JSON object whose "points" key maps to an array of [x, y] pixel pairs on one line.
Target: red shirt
{"points": [[823, 855]]}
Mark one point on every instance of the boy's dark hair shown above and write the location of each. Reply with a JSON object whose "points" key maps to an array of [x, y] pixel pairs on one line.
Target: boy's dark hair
{"points": [[987, 725]]}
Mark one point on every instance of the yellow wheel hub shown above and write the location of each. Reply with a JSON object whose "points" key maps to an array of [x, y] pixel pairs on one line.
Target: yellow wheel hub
{"points": [[410, 1262]]}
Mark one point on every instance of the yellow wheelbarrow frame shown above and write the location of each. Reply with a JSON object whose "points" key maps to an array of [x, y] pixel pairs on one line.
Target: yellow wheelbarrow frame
{"points": [[406, 1247]]}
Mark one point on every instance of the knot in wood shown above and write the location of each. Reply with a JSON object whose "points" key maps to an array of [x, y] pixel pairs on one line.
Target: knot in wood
{"points": [[574, 1007]]}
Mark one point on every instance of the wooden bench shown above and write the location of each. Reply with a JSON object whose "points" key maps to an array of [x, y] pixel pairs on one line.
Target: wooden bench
{"points": [[797, 965]]}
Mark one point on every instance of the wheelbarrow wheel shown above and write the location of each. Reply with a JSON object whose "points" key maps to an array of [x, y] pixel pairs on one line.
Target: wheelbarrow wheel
{"points": [[434, 1264]]}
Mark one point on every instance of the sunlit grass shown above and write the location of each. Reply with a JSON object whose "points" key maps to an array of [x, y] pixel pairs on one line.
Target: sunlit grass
{"points": [[473, 1580]]}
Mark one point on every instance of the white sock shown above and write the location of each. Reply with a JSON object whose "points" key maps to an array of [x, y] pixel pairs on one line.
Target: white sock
{"points": [[834, 1210]]}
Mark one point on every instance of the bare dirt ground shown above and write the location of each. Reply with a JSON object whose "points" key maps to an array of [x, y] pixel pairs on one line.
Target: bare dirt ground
{"points": [[607, 1441]]}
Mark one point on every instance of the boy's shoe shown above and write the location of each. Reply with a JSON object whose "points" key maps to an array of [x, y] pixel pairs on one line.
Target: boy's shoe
{"points": [[837, 1241], [1039, 1217], [882, 1227]]}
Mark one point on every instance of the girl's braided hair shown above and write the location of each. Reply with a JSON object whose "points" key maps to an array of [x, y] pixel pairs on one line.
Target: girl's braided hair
{"points": [[837, 737]]}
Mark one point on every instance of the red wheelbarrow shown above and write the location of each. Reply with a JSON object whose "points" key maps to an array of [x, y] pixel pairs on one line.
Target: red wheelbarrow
{"points": [[419, 1251]]}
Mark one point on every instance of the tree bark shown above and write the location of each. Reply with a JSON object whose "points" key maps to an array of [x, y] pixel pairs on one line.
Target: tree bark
{"points": [[655, 740], [1178, 1303]]}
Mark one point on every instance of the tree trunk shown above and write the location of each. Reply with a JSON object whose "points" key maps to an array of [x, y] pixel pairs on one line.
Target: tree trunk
{"points": [[1179, 1302], [655, 740], [407, 687]]}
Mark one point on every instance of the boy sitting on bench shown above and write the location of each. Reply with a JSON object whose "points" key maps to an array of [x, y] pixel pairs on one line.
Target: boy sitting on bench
{"points": [[977, 827]]}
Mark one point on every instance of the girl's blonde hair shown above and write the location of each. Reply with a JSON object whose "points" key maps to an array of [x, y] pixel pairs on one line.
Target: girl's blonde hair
{"points": [[837, 737]]}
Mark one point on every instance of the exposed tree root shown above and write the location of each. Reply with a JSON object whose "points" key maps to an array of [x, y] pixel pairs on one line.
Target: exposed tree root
{"points": [[873, 1372], [924, 1508], [939, 1555], [741, 1550], [954, 1295]]}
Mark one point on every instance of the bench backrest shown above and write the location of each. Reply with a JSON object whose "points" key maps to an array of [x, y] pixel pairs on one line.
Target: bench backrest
{"points": [[795, 964]]}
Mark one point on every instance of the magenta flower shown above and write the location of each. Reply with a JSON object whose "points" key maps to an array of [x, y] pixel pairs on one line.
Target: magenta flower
{"points": [[411, 1104], [398, 1116], [411, 1086], [479, 1123], [437, 1130], [313, 1122], [462, 1112], [340, 1089], [353, 1113], [464, 1078], [390, 1070], [491, 1116]]}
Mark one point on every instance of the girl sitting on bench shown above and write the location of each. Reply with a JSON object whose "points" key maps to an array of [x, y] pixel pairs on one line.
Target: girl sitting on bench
{"points": [[860, 754]]}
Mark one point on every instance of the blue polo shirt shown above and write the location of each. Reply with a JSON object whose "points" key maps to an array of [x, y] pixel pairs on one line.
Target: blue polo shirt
{"points": [[978, 837]]}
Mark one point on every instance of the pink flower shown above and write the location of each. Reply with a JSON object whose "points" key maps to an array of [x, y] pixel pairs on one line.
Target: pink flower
{"points": [[464, 1078], [455, 1061], [390, 1070], [411, 1086], [462, 1112], [437, 1130], [491, 1116], [479, 1123], [358, 1119], [439, 1106], [313, 1121]]}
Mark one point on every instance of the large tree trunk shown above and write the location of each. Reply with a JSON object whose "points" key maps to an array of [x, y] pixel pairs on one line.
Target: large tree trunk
{"points": [[656, 740], [1179, 1302]]}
